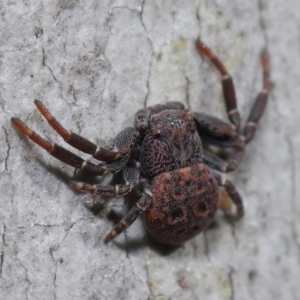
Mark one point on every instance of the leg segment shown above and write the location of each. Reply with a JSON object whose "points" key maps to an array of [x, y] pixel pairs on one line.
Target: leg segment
{"points": [[142, 204], [68, 157], [103, 190], [155, 109], [130, 174], [122, 143], [237, 156], [233, 194], [219, 164], [227, 84], [214, 162], [261, 100], [217, 132], [214, 127]]}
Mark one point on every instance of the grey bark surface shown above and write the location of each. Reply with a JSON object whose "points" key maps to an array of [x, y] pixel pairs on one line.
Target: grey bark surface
{"points": [[93, 64]]}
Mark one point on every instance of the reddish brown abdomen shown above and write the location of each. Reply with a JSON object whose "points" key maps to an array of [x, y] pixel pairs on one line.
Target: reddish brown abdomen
{"points": [[184, 204]]}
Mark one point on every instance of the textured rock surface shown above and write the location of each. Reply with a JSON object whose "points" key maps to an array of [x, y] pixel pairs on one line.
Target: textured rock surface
{"points": [[94, 63]]}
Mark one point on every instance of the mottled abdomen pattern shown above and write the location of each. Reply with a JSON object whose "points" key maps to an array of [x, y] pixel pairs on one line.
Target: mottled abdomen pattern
{"points": [[184, 203]]}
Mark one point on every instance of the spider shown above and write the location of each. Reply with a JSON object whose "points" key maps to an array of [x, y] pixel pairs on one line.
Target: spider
{"points": [[162, 155]]}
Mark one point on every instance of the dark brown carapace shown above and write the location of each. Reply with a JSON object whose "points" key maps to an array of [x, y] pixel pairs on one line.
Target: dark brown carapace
{"points": [[163, 156]]}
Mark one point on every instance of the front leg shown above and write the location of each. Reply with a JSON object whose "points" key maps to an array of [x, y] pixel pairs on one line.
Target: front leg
{"points": [[122, 144], [227, 84], [214, 128], [217, 132], [261, 99], [70, 158]]}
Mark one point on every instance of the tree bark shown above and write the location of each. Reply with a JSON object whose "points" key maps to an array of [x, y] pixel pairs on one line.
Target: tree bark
{"points": [[94, 64]]}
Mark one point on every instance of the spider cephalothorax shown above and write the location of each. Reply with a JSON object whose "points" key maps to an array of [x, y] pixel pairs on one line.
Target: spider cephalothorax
{"points": [[163, 156], [166, 147]]}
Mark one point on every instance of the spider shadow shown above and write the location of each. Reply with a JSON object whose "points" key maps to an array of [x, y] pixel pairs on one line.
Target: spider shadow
{"points": [[143, 240], [113, 215], [135, 244], [63, 176], [58, 173], [132, 244], [100, 204]]}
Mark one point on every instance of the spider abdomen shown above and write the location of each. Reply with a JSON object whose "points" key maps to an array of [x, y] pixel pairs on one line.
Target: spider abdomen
{"points": [[184, 203]]}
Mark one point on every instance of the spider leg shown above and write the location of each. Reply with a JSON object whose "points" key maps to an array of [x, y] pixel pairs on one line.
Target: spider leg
{"points": [[214, 162], [141, 205], [213, 126], [217, 163], [161, 107], [68, 157], [130, 174], [261, 99], [217, 132], [222, 134], [227, 84], [122, 143], [233, 194]]}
